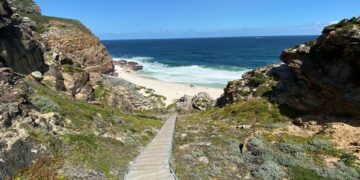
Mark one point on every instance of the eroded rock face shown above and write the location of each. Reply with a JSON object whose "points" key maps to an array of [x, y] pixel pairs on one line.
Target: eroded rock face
{"points": [[200, 102], [16, 152], [25, 6], [73, 43], [325, 76], [253, 84], [20, 156], [129, 97], [319, 77], [20, 49]]}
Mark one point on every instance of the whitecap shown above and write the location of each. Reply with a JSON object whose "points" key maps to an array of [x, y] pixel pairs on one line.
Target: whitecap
{"points": [[194, 74]]}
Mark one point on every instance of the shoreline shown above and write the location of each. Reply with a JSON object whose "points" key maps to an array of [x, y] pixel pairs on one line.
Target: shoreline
{"points": [[170, 90]]}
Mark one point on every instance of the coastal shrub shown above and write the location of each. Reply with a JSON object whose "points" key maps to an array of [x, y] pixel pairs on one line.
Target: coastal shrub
{"points": [[234, 148], [274, 125], [348, 159], [299, 173], [102, 93], [214, 170], [71, 69], [268, 170], [42, 21], [291, 148], [45, 104], [82, 140], [318, 144], [257, 80], [188, 158], [310, 43]]}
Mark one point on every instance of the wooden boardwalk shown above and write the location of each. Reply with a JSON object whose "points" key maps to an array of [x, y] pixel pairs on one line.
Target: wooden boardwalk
{"points": [[153, 163]]}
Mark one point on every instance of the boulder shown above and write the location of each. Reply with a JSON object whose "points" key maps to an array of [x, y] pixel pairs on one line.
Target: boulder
{"points": [[37, 75], [203, 160], [200, 102], [128, 65]]}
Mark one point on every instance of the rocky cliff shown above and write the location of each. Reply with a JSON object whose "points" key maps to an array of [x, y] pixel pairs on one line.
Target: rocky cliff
{"points": [[318, 77], [20, 48], [25, 6], [60, 111]]}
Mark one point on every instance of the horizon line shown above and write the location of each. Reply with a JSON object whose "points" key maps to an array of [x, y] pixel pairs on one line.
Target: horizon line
{"points": [[130, 39]]}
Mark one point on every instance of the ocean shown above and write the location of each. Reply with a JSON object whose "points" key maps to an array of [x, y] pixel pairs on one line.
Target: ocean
{"points": [[210, 62]]}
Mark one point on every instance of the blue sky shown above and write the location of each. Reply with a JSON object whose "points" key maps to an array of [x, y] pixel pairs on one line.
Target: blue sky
{"points": [[149, 19]]}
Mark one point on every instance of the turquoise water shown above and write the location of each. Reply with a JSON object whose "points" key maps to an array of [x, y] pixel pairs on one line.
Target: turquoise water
{"points": [[206, 61]]}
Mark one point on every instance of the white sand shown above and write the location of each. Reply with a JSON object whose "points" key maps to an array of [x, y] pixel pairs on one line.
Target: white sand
{"points": [[170, 90]]}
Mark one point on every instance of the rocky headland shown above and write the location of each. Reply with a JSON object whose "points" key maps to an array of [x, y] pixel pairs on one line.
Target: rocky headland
{"points": [[295, 120], [60, 108], [64, 115], [319, 77]]}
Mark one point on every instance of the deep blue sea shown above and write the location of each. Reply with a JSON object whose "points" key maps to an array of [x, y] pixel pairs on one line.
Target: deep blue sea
{"points": [[204, 61]]}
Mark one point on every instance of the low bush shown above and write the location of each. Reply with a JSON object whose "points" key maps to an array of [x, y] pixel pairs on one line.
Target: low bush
{"points": [[268, 170], [45, 104], [257, 80]]}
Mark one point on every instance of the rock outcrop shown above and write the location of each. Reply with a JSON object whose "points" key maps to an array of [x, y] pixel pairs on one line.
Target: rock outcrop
{"points": [[319, 77], [20, 49], [128, 65], [75, 44], [25, 6], [130, 97], [253, 84], [325, 74], [200, 102]]}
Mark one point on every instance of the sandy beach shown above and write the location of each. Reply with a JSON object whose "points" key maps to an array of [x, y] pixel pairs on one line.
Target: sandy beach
{"points": [[170, 90]]}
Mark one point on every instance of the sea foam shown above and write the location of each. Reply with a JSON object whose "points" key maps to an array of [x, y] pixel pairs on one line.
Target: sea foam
{"points": [[194, 74]]}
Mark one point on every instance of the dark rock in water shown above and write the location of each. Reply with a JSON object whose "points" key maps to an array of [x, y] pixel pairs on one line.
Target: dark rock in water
{"points": [[133, 66]]}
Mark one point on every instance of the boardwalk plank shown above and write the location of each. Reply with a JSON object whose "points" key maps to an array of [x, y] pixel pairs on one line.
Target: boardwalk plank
{"points": [[153, 161]]}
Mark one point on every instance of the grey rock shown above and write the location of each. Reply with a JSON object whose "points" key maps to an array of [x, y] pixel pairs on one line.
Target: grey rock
{"points": [[57, 120], [21, 155], [203, 160], [20, 49], [37, 75], [129, 65]]}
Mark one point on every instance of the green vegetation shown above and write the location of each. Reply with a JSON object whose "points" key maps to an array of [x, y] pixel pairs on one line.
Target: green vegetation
{"points": [[259, 110], [45, 104], [71, 69], [310, 43], [23, 3], [300, 173], [257, 80], [81, 143], [102, 93], [214, 134], [218, 128], [43, 21]]}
